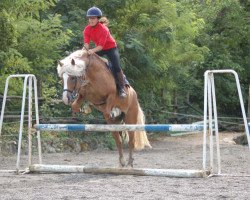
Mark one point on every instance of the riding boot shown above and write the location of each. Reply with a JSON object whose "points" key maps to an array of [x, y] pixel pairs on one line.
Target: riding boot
{"points": [[121, 84]]}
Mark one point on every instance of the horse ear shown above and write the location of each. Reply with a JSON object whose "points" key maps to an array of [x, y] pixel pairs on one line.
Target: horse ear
{"points": [[60, 63], [73, 62]]}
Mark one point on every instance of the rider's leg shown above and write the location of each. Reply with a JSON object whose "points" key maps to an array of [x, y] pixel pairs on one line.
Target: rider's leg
{"points": [[121, 84], [114, 58]]}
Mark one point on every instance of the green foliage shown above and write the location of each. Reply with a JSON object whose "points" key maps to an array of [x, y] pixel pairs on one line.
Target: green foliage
{"points": [[7, 31], [165, 47], [227, 36], [158, 40], [32, 39], [109, 142]]}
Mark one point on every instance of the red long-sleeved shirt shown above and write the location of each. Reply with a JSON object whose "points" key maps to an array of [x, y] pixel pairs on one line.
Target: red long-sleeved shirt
{"points": [[100, 35]]}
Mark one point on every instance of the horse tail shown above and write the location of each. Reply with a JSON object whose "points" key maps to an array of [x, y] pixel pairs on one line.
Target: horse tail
{"points": [[140, 137]]}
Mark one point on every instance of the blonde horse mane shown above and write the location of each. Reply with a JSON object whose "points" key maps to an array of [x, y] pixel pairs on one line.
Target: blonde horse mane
{"points": [[76, 69]]}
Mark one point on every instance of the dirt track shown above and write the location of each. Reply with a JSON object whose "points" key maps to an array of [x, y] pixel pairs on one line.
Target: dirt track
{"points": [[168, 152]]}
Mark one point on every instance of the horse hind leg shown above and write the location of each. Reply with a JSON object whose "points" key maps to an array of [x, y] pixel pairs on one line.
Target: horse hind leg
{"points": [[118, 141], [137, 140], [131, 148], [131, 118]]}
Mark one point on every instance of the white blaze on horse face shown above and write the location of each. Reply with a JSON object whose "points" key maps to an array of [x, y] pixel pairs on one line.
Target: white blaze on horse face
{"points": [[65, 88]]}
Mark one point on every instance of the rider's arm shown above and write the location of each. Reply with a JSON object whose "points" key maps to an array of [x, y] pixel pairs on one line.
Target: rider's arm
{"points": [[86, 46], [96, 49], [86, 38]]}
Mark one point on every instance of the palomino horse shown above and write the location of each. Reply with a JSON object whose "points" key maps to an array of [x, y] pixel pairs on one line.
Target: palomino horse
{"points": [[87, 77]]}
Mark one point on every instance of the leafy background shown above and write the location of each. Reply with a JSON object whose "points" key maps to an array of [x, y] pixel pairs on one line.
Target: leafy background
{"points": [[165, 46]]}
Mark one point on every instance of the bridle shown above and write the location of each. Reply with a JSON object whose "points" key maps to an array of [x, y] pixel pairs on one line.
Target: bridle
{"points": [[74, 92]]}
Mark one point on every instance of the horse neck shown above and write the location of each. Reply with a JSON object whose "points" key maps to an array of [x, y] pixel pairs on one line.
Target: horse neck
{"points": [[101, 81], [97, 70]]}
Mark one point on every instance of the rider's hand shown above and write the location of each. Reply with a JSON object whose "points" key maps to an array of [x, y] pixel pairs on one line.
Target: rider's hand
{"points": [[91, 52]]}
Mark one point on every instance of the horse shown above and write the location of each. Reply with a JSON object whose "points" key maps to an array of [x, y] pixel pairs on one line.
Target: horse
{"points": [[87, 78]]}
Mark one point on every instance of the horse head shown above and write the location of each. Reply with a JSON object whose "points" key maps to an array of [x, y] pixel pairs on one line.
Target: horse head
{"points": [[72, 69]]}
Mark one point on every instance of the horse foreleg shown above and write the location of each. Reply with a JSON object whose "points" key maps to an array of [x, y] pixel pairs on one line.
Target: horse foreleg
{"points": [[131, 149], [118, 142], [75, 106], [108, 108]]}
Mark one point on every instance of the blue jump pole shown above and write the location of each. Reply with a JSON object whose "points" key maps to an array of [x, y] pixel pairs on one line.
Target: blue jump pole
{"points": [[127, 127]]}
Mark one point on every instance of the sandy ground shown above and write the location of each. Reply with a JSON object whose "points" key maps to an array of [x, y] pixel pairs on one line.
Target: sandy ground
{"points": [[168, 152]]}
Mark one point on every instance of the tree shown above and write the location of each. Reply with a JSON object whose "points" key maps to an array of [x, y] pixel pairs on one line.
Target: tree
{"points": [[157, 39], [165, 45], [33, 40], [226, 34]]}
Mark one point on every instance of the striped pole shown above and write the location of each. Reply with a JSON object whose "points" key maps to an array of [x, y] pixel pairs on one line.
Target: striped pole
{"points": [[127, 127]]}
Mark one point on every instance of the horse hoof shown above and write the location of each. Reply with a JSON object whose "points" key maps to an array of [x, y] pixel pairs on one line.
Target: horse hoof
{"points": [[130, 162], [130, 165], [115, 112], [122, 163]]}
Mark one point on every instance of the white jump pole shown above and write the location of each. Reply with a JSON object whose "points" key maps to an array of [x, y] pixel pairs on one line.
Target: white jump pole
{"points": [[180, 173]]}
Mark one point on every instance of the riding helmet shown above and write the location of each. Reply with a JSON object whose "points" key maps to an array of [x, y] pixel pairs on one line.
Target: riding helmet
{"points": [[94, 12]]}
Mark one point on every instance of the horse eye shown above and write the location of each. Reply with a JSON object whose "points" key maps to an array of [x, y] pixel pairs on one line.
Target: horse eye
{"points": [[73, 79]]}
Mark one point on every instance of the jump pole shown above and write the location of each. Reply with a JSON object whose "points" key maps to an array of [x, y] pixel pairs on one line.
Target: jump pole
{"points": [[127, 127], [181, 173]]}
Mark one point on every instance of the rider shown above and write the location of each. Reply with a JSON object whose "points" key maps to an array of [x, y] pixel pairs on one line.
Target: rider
{"points": [[105, 44]]}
